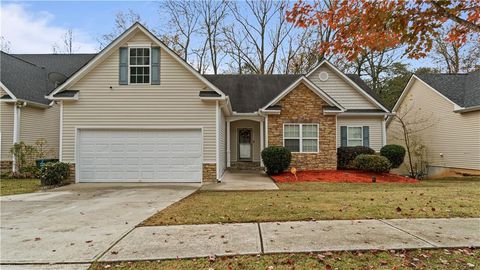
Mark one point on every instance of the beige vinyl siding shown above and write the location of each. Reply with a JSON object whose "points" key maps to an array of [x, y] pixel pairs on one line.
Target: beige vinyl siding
{"points": [[38, 123], [173, 103], [6, 128], [340, 90], [375, 128], [455, 135], [255, 126], [222, 159]]}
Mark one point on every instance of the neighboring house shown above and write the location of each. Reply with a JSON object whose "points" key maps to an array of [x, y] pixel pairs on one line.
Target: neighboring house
{"points": [[451, 105], [138, 112], [25, 114]]}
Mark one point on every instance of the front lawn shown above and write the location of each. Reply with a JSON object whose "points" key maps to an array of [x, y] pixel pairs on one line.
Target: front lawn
{"points": [[18, 186], [307, 201], [440, 259]]}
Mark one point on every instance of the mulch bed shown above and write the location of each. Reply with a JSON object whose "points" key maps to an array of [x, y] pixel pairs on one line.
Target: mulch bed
{"points": [[341, 176]]}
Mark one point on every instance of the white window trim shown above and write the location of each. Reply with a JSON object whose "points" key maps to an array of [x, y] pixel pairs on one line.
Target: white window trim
{"points": [[301, 138], [361, 134], [149, 65]]}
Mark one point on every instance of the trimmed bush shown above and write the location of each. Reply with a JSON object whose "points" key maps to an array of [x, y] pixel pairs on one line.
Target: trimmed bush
{"points": [[395, 154], [276, 159], [54, 173], [372, 163], [346, 155]]}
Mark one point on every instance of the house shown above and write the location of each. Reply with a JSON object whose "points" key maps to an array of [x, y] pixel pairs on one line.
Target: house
{"points": [[450, 103], [137, 112], [25, 113]]}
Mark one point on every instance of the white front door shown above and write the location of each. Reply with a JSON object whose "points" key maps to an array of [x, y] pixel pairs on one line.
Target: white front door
{"points": [[139, 155], [245, 144]]}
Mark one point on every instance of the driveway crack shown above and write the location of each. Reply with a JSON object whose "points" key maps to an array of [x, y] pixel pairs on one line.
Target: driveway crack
{"points": [[407, 232], [261, 238]]}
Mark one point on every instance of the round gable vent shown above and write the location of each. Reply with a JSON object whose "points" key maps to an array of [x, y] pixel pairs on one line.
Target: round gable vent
{"points": [[323, 76]]}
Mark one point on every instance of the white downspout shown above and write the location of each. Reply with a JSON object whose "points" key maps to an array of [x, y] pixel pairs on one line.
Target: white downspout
{"points": [[16, 133], [261, 142], [60, 146], [228, 144], [266, 130], [217, 136], [384, 133]]}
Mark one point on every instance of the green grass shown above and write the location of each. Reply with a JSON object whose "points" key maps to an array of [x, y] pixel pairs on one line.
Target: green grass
{"points": [[414, 259], [317, 201], [18, 186]]}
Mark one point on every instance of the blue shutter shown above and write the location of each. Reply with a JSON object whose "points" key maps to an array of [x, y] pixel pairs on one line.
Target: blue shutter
{"points": [[366, 136], [343, 136], [123, 71], [155, 65]]}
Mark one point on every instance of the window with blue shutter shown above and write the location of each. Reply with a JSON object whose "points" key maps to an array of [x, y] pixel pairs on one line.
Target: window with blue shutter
{"points": [[123, 69], [366, 136], [155, 65], [343, 136]]}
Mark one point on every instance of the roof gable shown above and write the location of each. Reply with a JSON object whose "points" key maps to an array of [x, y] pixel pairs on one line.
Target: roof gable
{"points": [[332, 102], [114, 45], [462, 89], [350, 90]]}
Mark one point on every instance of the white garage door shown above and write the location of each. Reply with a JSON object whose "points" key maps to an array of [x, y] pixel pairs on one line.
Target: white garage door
{"points": [[139, 156]]}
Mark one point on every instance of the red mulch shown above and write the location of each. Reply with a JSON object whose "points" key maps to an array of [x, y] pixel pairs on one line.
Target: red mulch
{"points": [[341, 176]]}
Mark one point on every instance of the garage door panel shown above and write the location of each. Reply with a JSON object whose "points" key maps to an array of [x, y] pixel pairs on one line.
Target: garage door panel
{"points": [[139, 155]]}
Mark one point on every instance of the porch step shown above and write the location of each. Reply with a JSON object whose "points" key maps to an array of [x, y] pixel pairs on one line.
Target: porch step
{"points": [[247, 166]]}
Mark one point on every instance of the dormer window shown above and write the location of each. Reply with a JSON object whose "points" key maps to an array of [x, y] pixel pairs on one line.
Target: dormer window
{"points": [[139, 65]]}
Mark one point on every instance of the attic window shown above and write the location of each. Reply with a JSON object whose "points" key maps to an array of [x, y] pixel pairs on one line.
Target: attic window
{"points": [[323, 76], [139, 65]]}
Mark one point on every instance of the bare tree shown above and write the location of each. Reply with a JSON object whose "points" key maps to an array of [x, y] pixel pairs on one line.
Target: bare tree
{"points": [[412, 122], [213, 15], [454, 57], [5, 45], [183, 19], [258, 31], [67, 44], [123, 20]]}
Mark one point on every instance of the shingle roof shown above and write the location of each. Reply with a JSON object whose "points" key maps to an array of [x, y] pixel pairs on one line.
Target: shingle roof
{"points": [[26, 75], [462, 89], [248, 93]]}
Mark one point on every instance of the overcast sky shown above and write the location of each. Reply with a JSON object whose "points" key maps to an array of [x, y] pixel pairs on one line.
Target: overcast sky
{"points": [[34, 26]]}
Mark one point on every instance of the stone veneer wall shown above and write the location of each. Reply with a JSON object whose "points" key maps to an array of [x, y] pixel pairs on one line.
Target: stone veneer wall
{"points": [[71, 178], [302, 105], [209, 172]]}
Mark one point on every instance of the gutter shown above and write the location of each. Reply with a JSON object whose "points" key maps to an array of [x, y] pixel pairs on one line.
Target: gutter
{"points": [[469, 109]]}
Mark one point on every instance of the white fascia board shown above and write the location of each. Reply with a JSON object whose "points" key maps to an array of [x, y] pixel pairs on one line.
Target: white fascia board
{"points": [[349, 81], [26, 103], [468, 109], [8, 91], [75, 97], [310, 85], [107, 51], [365, 114]]}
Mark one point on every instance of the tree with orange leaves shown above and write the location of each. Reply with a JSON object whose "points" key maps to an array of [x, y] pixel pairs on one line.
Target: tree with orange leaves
{"points": [[366, 25]]}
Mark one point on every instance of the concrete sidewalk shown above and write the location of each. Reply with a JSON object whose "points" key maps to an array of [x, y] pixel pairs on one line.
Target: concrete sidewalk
{"points": [[189, 241]]}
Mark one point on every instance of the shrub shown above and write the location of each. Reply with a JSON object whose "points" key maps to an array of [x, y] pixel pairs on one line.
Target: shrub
{"points": [[54, 173], [395, 154], [372, 163], [276, 159], [346, 155]]}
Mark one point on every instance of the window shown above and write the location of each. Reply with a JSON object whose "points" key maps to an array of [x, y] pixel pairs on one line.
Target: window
{"points": [[139, 65], [354, 136], [301, 138]]}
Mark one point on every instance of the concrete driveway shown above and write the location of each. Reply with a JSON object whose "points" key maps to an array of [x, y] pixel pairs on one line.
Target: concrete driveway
{"points": [[78, 223]]}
